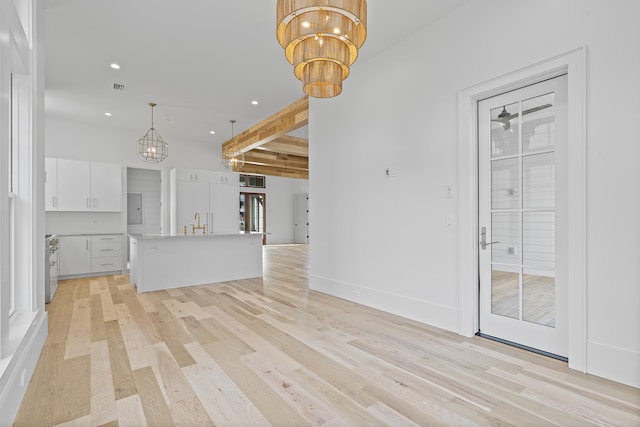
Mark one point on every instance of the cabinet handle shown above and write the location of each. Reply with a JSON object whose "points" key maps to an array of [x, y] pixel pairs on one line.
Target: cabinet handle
{"points": [[106, 264], [94, 202], [87, 244], [107, 250]]}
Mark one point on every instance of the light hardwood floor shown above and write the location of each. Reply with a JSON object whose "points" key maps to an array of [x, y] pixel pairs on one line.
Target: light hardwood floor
{"points": [[271, 352]]}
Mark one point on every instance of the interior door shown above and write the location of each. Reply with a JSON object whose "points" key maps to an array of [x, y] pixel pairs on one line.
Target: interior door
{"points": [[301, 230], [521, 136]]}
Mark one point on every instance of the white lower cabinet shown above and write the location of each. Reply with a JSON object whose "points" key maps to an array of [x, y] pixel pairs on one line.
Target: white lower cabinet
{"points": [[106, 253], [90, 255], [75, 255]]}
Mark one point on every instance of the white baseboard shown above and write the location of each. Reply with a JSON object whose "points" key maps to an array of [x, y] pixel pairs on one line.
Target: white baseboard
{"points": [[613, 363], [411, 308], [24, 360]]}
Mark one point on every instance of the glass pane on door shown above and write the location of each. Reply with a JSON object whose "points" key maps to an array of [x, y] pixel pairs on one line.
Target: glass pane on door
{"points": [[539, 297], [257, 213], [539, 240], [505, 127], [505, 184], [506, 231], [538, 123], [539, 181], [505, 291]]}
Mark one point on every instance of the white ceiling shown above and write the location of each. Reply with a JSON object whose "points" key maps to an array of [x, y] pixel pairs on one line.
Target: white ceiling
{"points": [[201, 61]]}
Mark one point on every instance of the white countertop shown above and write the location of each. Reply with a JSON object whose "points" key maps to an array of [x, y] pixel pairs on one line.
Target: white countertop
{"points": [[190, 236], [117, 233]]}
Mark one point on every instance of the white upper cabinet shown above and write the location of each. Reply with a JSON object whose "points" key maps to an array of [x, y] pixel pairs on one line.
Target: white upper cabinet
{"points": [[192, 175], [216, 200], [84, 186], [106, 187], [51, 184], [189, 194], [227, 178], [193, 197], [74, 185]]}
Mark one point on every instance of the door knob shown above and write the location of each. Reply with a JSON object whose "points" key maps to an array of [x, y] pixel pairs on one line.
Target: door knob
{"points": [[483, 239]]}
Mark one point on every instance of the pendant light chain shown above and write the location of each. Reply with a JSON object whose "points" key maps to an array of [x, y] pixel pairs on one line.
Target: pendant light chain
{"points": [[233, 160]]}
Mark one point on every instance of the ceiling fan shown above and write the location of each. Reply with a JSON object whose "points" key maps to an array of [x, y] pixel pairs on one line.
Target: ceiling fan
{"points": [[505, 117]]}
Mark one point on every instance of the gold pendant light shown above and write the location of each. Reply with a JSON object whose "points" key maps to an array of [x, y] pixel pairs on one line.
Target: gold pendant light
{"points": [[321, 39], [232, 160], [151, 147]]}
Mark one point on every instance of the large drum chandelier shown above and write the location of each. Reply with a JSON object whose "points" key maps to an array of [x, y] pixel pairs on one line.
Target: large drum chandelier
{"points": [[321, 39]]}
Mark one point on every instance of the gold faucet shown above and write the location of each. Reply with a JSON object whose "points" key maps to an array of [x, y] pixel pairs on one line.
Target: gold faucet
{"points": [[199, 227]]}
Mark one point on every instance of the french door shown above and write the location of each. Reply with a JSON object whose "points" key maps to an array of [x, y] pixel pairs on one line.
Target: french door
{"points": [[521, 135], [253, 218]]}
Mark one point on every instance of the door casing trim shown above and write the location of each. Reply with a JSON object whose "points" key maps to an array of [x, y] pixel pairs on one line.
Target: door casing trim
{"points": [[572, 63]]}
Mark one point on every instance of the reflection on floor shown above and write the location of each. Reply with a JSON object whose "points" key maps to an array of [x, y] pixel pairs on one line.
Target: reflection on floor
{"points": [[538, 299]]}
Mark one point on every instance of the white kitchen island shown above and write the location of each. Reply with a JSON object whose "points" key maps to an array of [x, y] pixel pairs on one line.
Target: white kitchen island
{"points": [[165, 261]]}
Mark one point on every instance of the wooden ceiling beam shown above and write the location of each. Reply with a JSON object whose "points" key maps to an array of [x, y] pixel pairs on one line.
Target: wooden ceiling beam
{"points": [[274, 171], [269, 158], [277, 125], [287, 145]]}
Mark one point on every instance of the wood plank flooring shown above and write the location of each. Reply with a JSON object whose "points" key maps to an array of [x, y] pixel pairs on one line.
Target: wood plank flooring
{"points": [[271, 352]]}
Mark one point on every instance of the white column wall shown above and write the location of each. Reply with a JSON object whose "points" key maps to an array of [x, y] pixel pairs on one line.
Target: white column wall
{"points": [[385, 242]]}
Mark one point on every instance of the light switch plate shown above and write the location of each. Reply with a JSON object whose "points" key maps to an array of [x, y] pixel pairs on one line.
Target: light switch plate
{"points": [[448, 191]]}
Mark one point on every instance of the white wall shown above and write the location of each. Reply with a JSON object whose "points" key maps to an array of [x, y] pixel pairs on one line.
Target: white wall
{"points": [[280, 194], [69, 139], [399, 110], [75, 140]]}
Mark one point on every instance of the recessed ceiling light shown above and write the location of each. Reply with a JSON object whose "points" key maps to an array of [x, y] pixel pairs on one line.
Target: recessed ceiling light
{"points": [[212, 132], [115, 66], [254, 102], [107, 114]]}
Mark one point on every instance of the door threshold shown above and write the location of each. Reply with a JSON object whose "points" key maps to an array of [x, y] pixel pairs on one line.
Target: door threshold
{"points": [[523, 347]]}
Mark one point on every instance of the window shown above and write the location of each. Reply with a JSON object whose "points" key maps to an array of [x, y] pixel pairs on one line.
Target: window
{"points": [[11, 192], [17, 263], [253, 181]]}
